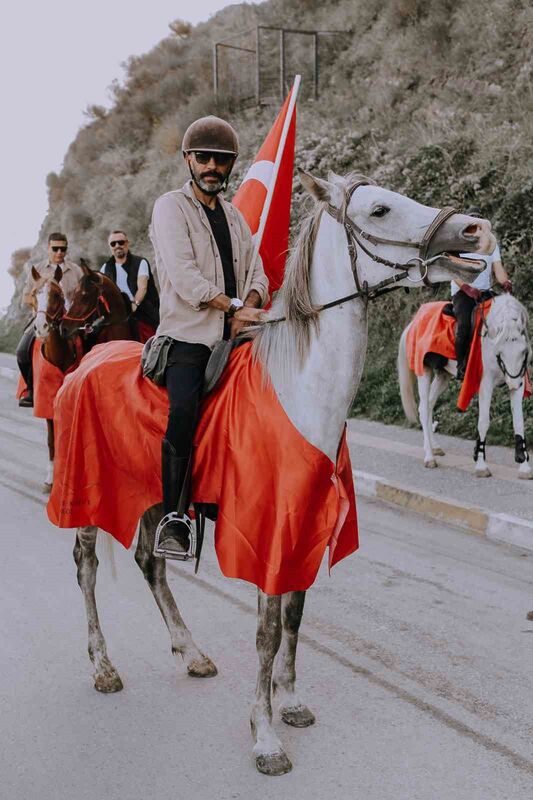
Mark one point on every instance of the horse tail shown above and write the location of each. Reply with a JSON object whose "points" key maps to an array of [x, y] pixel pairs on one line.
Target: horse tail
{"points": [[406, 379]]}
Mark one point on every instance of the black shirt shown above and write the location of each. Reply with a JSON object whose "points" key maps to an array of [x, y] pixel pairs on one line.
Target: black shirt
{"points": [[219, 226]]}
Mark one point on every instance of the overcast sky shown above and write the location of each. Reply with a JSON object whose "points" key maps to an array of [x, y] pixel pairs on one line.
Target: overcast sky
{"points": [[56, 58]]}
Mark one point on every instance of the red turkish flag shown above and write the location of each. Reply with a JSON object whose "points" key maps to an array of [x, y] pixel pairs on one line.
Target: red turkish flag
{"points": [[264, 196]]}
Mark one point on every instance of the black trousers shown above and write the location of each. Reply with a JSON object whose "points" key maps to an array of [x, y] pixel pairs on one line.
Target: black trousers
{"points": [[184, 378], [24, 356], [463, 305]]}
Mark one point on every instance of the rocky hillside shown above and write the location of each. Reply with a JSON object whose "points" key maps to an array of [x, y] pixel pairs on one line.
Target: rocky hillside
{"points": [[433, 98]]}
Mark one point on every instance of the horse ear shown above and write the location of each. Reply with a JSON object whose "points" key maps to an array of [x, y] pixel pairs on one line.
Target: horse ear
{"points": [[58, 274], [320, 189], [93, 276], [85, 269], [35, 275]]}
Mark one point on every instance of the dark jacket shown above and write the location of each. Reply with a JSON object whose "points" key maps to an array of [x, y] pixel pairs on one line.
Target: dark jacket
{"points": [[148, 310]]}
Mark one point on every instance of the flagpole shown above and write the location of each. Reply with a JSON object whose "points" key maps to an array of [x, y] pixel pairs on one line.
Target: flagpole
{"points": [[268, 200]]}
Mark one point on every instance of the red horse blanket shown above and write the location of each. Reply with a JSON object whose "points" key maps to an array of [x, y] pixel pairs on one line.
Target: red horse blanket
{"points": [[431, 331], [281, 500], [47, 381]]}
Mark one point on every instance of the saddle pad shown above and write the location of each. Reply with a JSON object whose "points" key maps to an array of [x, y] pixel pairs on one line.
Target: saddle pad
{"points": [[281, 500], [47, 380], [433, 331]]}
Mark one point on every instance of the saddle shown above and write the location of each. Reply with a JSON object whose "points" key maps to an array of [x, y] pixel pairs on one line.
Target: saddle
{"points": [[155, 353]]}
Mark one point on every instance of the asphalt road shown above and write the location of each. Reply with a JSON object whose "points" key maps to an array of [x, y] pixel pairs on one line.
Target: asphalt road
{"points": [[415, 656]]}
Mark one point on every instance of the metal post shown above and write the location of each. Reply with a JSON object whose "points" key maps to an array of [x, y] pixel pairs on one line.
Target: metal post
{"points": [[215, 70], [281, 64], [315, 59], [257, 67]]}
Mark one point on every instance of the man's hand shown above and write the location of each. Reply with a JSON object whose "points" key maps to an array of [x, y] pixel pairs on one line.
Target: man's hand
{"points": [[243, 317], [507, 286], [471, 291]]}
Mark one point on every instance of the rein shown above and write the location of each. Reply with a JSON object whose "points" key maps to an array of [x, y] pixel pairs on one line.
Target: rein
{"points": [[354, 234], [98, 318]]}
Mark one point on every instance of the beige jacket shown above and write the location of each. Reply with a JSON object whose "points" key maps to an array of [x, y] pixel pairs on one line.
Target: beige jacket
{"points": [[72, 275], [189, 267]]}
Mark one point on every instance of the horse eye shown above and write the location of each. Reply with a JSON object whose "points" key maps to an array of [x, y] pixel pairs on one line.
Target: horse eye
{"points": [[380, 211]]}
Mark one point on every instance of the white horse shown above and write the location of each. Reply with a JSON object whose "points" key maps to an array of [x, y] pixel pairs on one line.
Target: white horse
{"points": [[505, 353], [358, 241]]}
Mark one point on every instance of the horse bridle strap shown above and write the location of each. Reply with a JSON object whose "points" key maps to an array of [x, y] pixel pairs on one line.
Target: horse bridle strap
{"points": [[54, 320], [506, 372], [354, 234]]}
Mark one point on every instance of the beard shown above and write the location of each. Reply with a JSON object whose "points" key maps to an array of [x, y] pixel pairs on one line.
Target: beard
{"points": [[208, 188]]}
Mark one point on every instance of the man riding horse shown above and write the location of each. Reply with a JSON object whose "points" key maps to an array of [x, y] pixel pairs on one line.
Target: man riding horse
{"points": [[465, 297], [133, 276], [71, 275], [204, 252]]}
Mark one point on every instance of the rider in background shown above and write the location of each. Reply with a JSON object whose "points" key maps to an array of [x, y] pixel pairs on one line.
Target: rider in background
{"points": [[204, 250], [72, 273], [134, 278], [465, 296]]}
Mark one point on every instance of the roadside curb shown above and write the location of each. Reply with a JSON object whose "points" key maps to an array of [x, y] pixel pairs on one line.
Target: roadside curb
{"points": [[496, 527], [7, 372]]}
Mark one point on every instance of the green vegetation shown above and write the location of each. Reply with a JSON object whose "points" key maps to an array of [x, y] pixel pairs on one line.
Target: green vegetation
{"points": [[432, 98]]}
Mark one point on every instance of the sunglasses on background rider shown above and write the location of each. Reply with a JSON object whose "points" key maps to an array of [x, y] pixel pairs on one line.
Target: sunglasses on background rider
{"points": [[220, 159], [59, 249], [117, 243]]}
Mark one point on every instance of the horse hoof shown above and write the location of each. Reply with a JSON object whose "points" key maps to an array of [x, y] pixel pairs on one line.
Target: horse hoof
{"points": [[525, 476], [202, 668], [431, 464], [297, 716], [47, 488], [529, 615], [275, 764], [108, 683], [438, 451], [483, 473]]}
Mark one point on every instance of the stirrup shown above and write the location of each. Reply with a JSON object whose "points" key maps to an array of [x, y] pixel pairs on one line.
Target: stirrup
{"points": [[163, 552]]}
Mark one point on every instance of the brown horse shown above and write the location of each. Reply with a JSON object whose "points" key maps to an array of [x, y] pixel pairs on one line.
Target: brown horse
{"points": [[98, 312], [49, 306]]}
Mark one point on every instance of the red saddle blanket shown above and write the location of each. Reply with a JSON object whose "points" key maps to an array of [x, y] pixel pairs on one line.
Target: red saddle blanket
{"points": [[281, 500], [431, 331], [47, 380]]}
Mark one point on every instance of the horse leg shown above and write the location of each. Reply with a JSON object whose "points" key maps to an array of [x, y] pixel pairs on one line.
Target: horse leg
{"points": [[106, 678], [291, 708], [424, 383], [154, 570], [521, 454], [485, 397], [438, 385], [270, 758], [48, 481]]}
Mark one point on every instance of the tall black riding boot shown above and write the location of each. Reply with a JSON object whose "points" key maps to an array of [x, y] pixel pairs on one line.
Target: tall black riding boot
{"points": [[176, 476]]}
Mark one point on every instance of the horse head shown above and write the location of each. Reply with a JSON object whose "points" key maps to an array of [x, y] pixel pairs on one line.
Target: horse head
{"points": [[392, 234], [506, 344], [48, 302], [97, 302]]}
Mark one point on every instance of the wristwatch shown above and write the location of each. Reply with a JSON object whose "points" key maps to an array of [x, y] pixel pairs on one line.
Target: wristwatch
{"points": [[235, 305]]}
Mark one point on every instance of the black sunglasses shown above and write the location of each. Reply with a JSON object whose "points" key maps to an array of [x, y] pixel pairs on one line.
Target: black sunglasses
{"points": [[119, 242], [220, 159], [58, 249]]}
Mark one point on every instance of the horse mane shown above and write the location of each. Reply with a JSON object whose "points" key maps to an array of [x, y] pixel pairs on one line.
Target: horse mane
{"points": [[508, 318], [283, 346]]}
